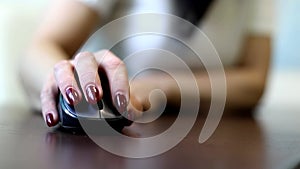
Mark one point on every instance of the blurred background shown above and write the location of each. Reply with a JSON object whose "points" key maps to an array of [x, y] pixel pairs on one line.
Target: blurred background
{"points": [[18, 21]]}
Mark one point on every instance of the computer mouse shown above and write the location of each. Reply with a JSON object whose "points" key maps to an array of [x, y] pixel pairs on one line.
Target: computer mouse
{"points": [[72, 117]]}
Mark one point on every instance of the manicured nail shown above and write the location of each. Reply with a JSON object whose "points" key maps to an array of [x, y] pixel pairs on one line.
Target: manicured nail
{"points": [[92, 93], [72, 96], [49, 120], [121, 103]]}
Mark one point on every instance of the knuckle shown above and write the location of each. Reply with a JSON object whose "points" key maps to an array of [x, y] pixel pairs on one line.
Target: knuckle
{"points": [[44, 93], [113, 62], [88, 77], [83, 55], [60, 65], [104, 52]]}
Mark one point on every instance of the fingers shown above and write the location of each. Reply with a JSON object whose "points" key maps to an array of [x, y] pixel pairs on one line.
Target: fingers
{"points": [[65, 80], [117, 77], [87, 70], [87, 65], [48, 99]]}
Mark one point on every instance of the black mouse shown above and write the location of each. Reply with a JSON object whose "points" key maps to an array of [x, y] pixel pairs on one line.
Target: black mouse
{"points": [[91, 114]]}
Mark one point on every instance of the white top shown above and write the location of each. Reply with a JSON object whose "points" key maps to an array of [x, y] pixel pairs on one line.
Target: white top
{"points": [[225, 24]]}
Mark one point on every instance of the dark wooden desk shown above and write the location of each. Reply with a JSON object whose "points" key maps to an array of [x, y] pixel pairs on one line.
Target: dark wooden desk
{"points": [[270, 140]]}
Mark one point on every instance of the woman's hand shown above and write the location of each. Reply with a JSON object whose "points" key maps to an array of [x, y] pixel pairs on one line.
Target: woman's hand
{"points": [[87, 66]]}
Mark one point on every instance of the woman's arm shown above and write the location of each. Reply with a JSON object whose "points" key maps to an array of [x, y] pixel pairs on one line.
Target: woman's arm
{"points": [[66, 26], [245, 81], [48, 67]]}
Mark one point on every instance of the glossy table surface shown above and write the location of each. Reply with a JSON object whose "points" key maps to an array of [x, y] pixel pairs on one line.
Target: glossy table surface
{"points": [[269, 139]]}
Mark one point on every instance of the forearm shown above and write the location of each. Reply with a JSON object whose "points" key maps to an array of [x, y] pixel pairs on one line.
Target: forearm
{"points": [[64, 29], [244, 87], [245, 81], [38, 62]]}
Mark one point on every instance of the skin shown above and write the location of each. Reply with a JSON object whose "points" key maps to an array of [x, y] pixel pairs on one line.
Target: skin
{"points": [[61, 34]]}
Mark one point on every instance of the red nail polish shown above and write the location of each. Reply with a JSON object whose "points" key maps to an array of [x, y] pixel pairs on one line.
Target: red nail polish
{"points": [[49, 120], [121, 103], [92, 93], [72, 96]]}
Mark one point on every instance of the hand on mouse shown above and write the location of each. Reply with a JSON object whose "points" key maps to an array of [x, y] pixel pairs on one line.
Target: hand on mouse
{"points": [[87, 66]]}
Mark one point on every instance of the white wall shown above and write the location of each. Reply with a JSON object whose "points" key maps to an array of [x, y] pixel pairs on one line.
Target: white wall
{"points": [[287, 39], [18, 19]]}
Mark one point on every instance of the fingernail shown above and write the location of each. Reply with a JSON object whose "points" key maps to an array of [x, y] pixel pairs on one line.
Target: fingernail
{"points": [[49, 120], [92, 94], [72, 95], [121, 103]]}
